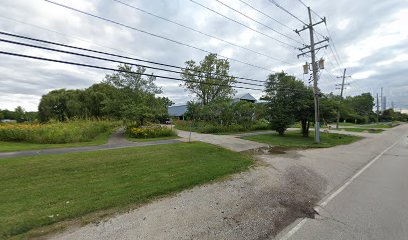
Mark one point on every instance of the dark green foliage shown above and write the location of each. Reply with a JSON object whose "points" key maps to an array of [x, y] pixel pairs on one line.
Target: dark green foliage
{"points": [[288, 101], [358, 109], [19, 115], [223, 116], [122, 95], [207, 127]]}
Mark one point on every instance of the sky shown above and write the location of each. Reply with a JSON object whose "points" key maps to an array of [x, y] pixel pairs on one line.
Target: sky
{"points": [[368, 37]]}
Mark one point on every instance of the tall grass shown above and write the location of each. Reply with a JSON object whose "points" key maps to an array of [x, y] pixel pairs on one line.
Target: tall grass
{"points": [[56, 132], [149, 131], [206, 127]]}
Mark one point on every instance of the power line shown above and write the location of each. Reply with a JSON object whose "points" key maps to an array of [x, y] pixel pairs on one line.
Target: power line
{"points": [[152, 34], [254, 20], [66, 35], [112, 55], [285, 10], [303, 3], [334, 46], [125, 71], [111, 60], [195, 30], [244, 25], [266, 15], [115, 70]]}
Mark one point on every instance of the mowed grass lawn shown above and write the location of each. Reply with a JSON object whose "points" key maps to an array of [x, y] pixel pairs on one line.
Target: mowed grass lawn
{"points": [[296, 140], [24, 146], [42, 190], [368, 130], [151, 139]]}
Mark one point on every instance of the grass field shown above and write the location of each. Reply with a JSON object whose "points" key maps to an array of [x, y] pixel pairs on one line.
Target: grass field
{"points": [[368, 130], [380, 125], [296, 140], [151, 139], [43, 190], [22, 146], [345, 124]]}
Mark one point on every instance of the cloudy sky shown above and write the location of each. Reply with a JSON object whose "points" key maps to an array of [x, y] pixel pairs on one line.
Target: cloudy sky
{"points": [[370, 39]]}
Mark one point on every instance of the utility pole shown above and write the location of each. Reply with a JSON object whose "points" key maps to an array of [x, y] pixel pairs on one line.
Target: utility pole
{"points": [[341, 96], [315, 69], [378, 109], [382, 101]]}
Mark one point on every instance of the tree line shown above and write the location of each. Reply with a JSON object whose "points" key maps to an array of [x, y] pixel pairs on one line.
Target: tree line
{"points": [[128, 95], [124, 95]]}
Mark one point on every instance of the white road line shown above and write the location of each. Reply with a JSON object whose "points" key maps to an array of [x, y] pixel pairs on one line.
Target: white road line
{"points": [[339, 190]]}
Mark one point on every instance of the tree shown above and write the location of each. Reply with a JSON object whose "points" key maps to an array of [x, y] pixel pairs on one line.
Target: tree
{"points": [[135, 98], [360, 108], [288, 100], [209, 80], [128, 78], [20, 114]]}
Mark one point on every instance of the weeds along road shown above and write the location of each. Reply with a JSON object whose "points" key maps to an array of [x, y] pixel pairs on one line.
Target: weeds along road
{"points": [[373, 204], [256, 204]]}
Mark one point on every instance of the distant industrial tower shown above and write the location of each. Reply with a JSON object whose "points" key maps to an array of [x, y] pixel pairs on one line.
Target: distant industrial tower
{"points": [[384, 103]]}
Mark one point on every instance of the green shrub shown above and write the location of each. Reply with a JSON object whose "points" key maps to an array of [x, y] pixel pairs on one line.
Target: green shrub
{"points": [[56, 132], [149, 131], [205, 127]]}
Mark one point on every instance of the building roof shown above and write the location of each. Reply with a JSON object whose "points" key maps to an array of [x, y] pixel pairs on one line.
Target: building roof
{"points": [[245, 96], [176, 111]]}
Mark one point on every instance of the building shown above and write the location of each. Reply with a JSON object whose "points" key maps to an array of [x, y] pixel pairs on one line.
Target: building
{"points": [[180, 111], [244, 97], [177, 111]]}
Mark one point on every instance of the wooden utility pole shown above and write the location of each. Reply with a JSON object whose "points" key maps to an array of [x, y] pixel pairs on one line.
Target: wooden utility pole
{"points": [[341, 96], [315, 68]]}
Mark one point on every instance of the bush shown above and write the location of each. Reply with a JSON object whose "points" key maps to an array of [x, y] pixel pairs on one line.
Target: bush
{"points": [[149, 131], [205, 127], [57, 132]]}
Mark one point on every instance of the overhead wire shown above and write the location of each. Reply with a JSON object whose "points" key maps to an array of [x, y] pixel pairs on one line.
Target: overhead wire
{"points": [[195, 30], [131, 72], [109, 54], [152, 34], [115, 70], [258, 22], [112, 60], [266, 15], [287, 11], [246, 26]]}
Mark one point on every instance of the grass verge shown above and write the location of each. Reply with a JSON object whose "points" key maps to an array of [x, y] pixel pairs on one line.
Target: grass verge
{"points": [[380, 125], [151, 139], [368, 130], [43, 190], [296, 140], [24, 146]]}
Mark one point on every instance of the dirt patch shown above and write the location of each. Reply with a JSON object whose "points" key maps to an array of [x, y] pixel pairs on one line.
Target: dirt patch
{"points": [[269, 150], [263, 214]]}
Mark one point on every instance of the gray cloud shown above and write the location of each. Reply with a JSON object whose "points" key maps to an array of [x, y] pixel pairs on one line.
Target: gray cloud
{"points": [[22, 82]]}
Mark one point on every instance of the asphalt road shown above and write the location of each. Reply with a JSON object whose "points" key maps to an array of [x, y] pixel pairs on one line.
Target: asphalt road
{"points": [[371, 205]]}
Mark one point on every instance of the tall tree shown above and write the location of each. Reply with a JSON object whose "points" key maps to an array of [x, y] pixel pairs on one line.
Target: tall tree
{"points": [[129, 78], [288, 100], [209, 80]]}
